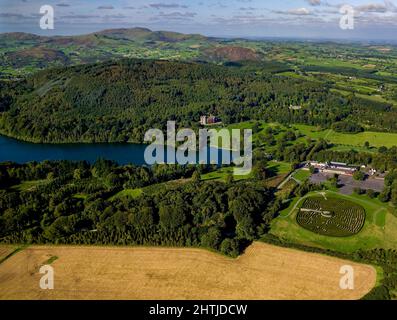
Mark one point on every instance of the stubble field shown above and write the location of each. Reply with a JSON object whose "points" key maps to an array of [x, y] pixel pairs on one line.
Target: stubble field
{"points": [[263, 272]]}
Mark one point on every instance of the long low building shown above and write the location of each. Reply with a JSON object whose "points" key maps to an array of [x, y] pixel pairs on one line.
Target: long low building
{"points": [[334, 167]]}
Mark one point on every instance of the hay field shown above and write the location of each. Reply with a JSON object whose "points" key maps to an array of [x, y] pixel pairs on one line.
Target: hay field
{"points": [[263, 272]]}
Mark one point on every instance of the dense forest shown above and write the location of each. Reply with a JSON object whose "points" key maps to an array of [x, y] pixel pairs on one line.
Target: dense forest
{"points": [[79, 203], [119, 101]]}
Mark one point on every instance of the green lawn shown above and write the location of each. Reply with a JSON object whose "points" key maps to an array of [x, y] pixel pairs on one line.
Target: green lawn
{"points": [[375, 139], [302, 175], [342, 148], [222, 173], [380, 229], [311, 131], [81, 196], [133, 193], [279, 167], [29, 185], [276, 167], [150, 190]]}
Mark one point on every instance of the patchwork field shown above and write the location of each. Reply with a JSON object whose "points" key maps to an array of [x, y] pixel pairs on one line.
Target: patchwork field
{"points": [[263, 272]]}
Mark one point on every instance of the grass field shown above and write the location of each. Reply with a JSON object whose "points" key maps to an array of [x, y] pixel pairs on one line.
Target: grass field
{"points": [[276, 167], [222, 173], [379, 231], [263, 272], [279, 167], [302, 175], [132, 193], [342, 141], [149, 190], [347, 148], [29, 185], [375, 139]]}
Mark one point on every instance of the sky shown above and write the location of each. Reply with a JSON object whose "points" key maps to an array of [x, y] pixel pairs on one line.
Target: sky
{"points": [[312, 19]]}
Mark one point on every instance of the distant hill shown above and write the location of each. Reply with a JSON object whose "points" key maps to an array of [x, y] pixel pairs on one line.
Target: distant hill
{"points": [[23, 49], [130, 34], [15, 36], [234, 54], [146, 34], [38, 56], [133, 34]]}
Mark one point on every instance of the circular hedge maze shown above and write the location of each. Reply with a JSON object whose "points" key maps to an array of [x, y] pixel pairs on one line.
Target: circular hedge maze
{"points": [[331, 217]]}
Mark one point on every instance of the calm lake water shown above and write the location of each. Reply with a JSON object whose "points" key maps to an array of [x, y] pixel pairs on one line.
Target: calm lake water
{"points": [[122, 153]]}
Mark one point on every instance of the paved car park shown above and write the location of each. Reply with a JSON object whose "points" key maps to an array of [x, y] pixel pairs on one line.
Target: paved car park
{"points": [[348, 184]]}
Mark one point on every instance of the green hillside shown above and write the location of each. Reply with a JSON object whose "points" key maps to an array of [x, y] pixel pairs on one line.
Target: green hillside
{"points": [[119, 101]]}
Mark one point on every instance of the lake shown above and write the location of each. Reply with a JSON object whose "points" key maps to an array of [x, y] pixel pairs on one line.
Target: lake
{"points": [[123, 153]]}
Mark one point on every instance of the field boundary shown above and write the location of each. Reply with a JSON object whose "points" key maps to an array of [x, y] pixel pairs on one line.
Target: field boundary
{"points": [[15, 251]]}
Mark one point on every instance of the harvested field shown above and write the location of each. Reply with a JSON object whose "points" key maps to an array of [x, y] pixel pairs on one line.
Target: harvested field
{"points": [[263, 272]]}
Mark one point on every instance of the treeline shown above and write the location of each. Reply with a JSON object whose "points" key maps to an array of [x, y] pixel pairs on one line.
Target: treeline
{"points": [[119, 101], [384, 160], [390, 191], [359, 73], [78, 203], [347, 127]]}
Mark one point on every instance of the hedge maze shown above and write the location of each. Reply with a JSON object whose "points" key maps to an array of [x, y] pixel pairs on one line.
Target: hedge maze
{"points": [[331, 217]]}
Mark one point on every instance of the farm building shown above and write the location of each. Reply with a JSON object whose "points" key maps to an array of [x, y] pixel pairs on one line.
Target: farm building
{"points": [[317, 165], [341, 168], [334, 167]]}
